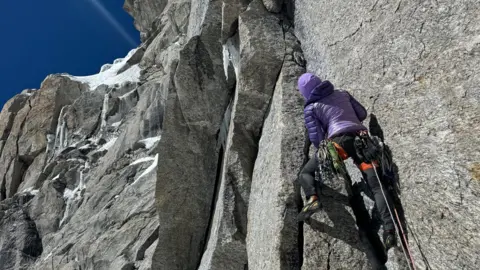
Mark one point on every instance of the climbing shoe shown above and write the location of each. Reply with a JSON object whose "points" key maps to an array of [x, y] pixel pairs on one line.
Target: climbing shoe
{"points": [[389, 239], [313, 204]]}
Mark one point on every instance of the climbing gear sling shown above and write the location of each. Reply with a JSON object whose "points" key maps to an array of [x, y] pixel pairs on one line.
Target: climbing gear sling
{"points": [[331, 164]]}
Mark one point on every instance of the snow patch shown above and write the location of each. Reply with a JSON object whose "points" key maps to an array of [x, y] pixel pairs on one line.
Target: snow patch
{"points": [[68, 194], [108, 74], [150, 142], [87, 146], [31, 191], [108, 144], [142, 160], [150, 169], [116, 124]]}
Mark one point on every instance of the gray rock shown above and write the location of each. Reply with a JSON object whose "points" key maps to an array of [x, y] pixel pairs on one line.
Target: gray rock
{"points": [[231, 9], [33, 172], [273, 5], [144, 12], [261, 62], [27, 138], [82, 204], [20, 243], [9, 150], [197, 98], [225, 196], [413, 65], [272, 238], [164, 47], [7, 115]]}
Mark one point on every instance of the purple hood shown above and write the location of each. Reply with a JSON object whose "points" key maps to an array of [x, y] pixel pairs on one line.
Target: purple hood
{"points": [[328, 112]]}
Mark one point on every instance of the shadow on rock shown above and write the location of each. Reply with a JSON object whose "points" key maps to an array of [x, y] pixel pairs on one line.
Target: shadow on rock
{"points": [[390, 173], [344, 227]]}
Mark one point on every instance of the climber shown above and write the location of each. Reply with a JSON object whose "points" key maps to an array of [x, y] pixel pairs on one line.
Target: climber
{"points": [[337, 116]]}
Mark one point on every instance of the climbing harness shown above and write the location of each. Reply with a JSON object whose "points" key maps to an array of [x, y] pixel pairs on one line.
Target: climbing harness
{"points": [[371, 149]]}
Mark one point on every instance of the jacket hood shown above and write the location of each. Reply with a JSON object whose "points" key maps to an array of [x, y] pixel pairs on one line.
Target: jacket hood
{"points": [[322, 90], [307, 83]]}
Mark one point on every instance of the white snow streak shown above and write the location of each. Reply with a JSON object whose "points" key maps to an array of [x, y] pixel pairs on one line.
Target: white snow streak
{"points": [[116, 124], [31, 191], [109, 144], [103, 123], [150, 142], [150, 169], [142, 160]]}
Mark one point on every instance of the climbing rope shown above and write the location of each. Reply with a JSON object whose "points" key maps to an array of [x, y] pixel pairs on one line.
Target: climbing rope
{"points": [[407, 253]]}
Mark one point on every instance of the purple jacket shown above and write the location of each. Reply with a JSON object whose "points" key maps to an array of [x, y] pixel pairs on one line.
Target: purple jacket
{"points": [[329, 113]]}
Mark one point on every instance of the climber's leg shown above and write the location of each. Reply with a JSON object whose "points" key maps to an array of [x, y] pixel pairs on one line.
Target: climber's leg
{"points": [[347, 142], [307, 177], [374, 184], [307, 180]]}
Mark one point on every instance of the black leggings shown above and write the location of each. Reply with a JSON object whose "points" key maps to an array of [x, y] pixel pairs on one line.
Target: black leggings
{"points": [[307, 179]]}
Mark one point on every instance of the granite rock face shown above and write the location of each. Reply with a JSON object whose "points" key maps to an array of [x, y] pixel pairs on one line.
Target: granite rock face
{"points": [[412, 64], [75, 161], [185, 154]]}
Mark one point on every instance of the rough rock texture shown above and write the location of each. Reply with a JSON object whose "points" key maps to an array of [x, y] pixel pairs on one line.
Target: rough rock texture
{"points": [[273, 233], [20, 244], [261, 57], [198, 96], [192, 165], [145, 12], [27, 139], [413, 65], [79, 175]]}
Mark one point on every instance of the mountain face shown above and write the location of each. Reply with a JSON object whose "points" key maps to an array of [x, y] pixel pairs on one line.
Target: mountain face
{"points": [[185, 153]]}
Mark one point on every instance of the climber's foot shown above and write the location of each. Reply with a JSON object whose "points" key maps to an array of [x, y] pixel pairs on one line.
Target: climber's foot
{"points": [[313, 204], [389, 239]]}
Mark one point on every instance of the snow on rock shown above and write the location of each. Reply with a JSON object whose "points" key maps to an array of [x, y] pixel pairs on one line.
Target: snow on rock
{"points": [[142, 160], [31, 191], [150, 142], [104, 112], [109, 144], [116, 124], [68, 194], [150, 169], [109, 73]]}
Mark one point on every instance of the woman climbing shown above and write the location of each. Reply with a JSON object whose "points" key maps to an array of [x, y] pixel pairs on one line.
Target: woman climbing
{"points": [[336, 115]]}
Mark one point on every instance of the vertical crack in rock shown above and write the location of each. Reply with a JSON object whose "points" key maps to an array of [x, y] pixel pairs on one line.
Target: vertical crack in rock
{"points": [[330, 250], [3, 188], [20, 165], [221, 141], [275, 239], [193, 115], [262, 52]]}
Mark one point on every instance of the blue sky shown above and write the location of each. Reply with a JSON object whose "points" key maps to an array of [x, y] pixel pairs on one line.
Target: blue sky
{"points": [[41, 37]]}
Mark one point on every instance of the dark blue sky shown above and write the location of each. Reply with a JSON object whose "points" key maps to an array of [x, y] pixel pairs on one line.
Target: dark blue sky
{"points": [[41, 37]]}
